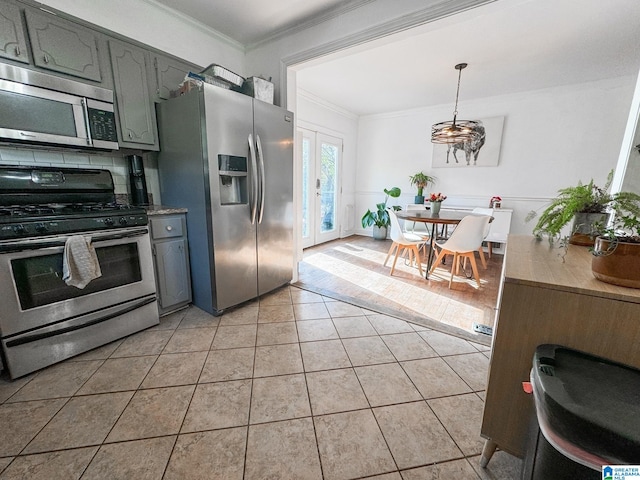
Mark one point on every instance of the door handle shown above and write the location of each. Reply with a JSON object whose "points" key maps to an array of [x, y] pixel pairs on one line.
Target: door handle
{"points": [[87, 125], [262, 178], [254, 179]]}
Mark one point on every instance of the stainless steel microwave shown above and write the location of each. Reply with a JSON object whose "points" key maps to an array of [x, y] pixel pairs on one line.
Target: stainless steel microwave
{"points": [[39, 108]]}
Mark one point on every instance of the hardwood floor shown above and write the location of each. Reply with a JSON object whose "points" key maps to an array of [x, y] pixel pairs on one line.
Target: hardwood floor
{"points": [[351, 269]]}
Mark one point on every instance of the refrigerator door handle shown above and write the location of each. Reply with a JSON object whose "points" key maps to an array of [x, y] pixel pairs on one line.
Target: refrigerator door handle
{"points": [[262, 178], [254, 180]]}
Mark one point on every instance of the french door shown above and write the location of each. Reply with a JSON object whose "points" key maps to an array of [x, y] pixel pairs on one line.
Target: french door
{"points": [[321, 156]]}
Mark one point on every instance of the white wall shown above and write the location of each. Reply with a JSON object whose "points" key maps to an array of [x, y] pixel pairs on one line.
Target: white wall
{"points": [[552, 138], [317, 115]]}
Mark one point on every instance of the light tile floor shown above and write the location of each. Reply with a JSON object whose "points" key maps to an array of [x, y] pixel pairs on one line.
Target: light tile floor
{"points": [[294, 386]]}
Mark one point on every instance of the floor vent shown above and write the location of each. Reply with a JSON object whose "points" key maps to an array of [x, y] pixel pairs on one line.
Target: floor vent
{"points": [[484, 329]]}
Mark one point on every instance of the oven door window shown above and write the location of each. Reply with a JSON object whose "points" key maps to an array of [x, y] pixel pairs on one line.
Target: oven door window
{"points": [[39, 281]]}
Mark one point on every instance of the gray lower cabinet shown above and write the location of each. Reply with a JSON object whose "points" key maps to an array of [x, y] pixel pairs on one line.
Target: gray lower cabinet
{"points": [[63, 46], [171, 257], [13, 43], [135, 112]]}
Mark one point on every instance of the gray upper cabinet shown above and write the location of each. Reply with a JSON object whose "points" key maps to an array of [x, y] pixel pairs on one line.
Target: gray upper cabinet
{"points": [[169, 73], [135, 113], [13, 44], [63, 46]]}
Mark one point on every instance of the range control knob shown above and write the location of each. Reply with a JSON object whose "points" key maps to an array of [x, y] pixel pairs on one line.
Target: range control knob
{"points": [[41, 227], [19, 229], [122, 221], [108, 221]]}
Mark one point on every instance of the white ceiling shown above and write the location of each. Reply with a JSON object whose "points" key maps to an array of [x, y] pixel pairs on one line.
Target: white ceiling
{"points": [[250, 21], [510, 46]]}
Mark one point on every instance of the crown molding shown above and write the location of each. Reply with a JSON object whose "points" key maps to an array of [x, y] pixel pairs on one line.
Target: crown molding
{"points": [[326, 104], [316, 20], [428, 14], [207, 30]]}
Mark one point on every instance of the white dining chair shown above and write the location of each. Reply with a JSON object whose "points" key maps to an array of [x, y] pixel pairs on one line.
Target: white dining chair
{"points": [[484, 211], [404, 241], [463, 242]]}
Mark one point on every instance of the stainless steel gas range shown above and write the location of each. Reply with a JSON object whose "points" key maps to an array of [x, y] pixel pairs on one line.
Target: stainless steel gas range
{"points": [[42, 319]]}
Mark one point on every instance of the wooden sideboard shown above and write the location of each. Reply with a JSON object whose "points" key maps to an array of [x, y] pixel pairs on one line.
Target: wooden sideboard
{"points": [[543, 300]]}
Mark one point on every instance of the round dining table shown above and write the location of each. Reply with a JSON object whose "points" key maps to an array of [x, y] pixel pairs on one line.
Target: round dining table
{"points": [[444, 217]]}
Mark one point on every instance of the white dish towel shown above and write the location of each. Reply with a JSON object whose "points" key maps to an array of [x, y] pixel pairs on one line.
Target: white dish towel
{"points": [[80, 262]]}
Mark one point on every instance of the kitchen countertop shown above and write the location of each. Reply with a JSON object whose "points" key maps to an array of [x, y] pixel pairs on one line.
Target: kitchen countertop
{"points": [[163, 210]]}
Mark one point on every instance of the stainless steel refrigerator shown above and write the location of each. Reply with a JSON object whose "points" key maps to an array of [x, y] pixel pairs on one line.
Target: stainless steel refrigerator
{"points": [[228, 159]]}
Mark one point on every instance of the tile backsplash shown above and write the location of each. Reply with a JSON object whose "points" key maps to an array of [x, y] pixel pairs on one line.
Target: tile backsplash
{"points": [[112, 161]]}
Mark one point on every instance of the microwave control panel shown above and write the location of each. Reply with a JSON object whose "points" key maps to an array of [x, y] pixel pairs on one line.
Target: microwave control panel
{"points": [[103, 125]]}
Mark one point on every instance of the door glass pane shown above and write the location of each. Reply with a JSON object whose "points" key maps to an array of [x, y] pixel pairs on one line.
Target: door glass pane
{"points": [[39, 279], [328, 179], [306, 159]]}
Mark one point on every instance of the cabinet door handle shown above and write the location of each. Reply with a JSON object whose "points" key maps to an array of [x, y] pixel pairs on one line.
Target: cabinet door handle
{"points": [[46, 58], [169, 228], [130, 135], [155, 65], [18, 50]]}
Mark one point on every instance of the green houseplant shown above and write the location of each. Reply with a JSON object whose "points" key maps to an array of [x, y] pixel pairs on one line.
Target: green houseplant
{"points": [[616, 252], [421, 180], [585, 204], [380, 218]]}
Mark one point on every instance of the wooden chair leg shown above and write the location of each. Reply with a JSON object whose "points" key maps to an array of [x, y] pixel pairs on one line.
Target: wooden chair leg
{"points": [[416, 255], [474, 267], [484, 262], [394, 245], [453, 266], [437, 260], [395, 259]]}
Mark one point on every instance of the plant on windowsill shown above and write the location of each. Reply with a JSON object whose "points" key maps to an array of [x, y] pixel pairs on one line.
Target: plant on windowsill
{"points": [[585, 205], [421, 181], [380, 218], [616, 252]]}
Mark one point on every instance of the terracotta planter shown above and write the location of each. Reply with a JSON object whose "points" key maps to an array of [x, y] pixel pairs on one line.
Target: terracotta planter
{"points": [[620, 267]]}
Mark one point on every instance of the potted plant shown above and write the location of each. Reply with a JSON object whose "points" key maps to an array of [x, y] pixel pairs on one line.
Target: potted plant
{"points": [[586, 205], [380, 218], [421, 180], [616, 252]]}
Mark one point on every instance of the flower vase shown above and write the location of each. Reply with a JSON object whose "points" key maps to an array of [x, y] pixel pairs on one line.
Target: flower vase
{"points": [[435, 208]]}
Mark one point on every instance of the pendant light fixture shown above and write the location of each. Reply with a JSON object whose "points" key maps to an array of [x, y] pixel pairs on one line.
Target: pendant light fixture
{"points": [[456, 131]]}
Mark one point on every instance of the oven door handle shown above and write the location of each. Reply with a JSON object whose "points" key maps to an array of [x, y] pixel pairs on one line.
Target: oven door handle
{"points": [[39, 336], [40, 244]]}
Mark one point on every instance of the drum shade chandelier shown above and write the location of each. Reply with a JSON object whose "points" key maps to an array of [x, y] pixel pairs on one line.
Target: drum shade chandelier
{"points": [[456, 131]]}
